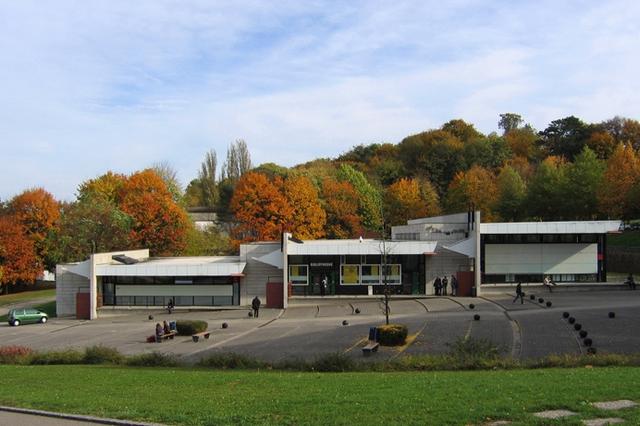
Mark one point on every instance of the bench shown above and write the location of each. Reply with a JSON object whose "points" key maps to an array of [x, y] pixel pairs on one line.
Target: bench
{"points": [[165, 336], [197, 336], [371, 346]]}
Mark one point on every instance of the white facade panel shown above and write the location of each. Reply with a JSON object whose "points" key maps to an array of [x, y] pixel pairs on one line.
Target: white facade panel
{"points": [[174, 290], [541, 258], [589, 227]]}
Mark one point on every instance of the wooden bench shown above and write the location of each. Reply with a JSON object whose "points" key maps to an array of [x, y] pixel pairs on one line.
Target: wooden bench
{"points": [[197, 336], [371, 346], [165, 336]]}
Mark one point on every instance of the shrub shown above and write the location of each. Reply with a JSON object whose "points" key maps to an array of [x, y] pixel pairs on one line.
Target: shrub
{"points": [[68, 356], [473, 352], [392, 334], [14, 354], [102, 355], [153, 359], [335, 362], [189, 327], [231, 360]]}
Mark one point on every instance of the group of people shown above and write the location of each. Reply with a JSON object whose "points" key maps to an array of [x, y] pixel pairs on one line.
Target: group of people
{"points": [[440, 285], [161, 330]]}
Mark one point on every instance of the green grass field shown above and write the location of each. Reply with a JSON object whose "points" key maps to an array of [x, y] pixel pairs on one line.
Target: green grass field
{"points": [[25, 296], [206, 397]]}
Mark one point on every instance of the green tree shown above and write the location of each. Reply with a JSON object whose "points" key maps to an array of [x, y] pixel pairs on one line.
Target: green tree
{"points": [[546, 195], [490, 152], [462, 130], [207, 179], [238, 160], [370, 208], [584, 177], [511, 194], [565, 137], [509, 122]]}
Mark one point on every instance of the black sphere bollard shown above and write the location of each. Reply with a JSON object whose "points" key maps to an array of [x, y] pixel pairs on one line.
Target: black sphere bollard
{"points": [[583, 334], [357, 311], [476, 317], [565, 315], [345, 322], [250, 314], [577, 326], [572, 320], [471, 306], [587, 342], [532, 297], [540, 300], [150, 317], [225, 325], [548, 304], [612, 314]]}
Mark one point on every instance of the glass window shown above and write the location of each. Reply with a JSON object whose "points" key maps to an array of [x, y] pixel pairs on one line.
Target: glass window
{"points": [[203, 300], [349, 274], [299, 274], [394, 274], [370, 274]]}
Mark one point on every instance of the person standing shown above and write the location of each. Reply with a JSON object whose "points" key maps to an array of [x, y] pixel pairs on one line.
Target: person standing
{"points": [[437, 284], [519, 294], [454, 285], [323, 286], [255, 305], [631, 282], [547, 283], [445, 282]]}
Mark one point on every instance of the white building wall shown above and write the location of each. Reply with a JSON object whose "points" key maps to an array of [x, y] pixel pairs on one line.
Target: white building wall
{"points": [[67, 285], [257, 274], [444, 262], [541, 259]]}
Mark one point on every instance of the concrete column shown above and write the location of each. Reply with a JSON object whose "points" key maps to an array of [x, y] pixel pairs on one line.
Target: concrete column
{"points": [[93, 289], [285, 270], [478, 261]]}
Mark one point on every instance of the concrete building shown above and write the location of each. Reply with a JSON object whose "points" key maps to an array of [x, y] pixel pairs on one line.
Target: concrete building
{"points": [[460, 245]]}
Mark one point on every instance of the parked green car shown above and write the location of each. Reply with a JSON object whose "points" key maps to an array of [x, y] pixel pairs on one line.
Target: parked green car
{"points": [[27, 315]]}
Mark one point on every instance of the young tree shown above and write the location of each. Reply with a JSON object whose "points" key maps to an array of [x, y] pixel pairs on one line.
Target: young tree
{"points": [[522, 143], [341, 206], [18, 260], [511, 194], [602, 143], [106, 186], [238, 160], [262, 212], [169, 176], [37, 212], [208, 181], [509, 122], [308, 219], [462, 130]]}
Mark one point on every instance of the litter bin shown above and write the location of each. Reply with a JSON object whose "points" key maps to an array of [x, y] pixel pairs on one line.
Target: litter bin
{"points": [[373, 334]]}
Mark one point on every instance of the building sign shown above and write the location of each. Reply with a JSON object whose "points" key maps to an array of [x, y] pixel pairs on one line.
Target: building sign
{"points": [[330, 264]]}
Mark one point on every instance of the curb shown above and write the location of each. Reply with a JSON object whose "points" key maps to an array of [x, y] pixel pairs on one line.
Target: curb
{"points": [[79, 417]]}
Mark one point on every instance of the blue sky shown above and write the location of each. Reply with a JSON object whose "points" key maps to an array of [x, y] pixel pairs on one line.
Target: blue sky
{"points": [[91, 86]]}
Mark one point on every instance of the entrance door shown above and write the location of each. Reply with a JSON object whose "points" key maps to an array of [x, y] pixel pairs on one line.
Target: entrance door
{"points": [[321, 281]]}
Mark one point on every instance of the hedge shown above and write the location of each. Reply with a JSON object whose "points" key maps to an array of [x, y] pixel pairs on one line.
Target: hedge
{"points": [[189, 327]]}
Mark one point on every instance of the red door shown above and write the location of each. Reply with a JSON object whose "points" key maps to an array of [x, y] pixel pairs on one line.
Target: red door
{"points": [[82, 305], [465, 283], [274, 295]]}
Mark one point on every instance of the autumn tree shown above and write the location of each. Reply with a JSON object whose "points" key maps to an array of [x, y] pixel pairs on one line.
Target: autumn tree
{"points": [[510, 122], [169, 176], [522, 143], [462, 130], [602, 143], [511, 194], [106, 186], [261, 210], [621, 173], [475, 188], [405, 199], [18, 259], [489, 152], [158, 223], [341, 206], [37, 212], [308, 219]]}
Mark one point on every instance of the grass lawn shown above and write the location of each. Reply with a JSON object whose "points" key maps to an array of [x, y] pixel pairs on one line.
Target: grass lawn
{"points": [[206, 397], [25, 296]]}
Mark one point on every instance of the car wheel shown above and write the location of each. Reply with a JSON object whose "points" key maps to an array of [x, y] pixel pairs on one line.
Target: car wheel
{"points": [[43, 320], [16, 323]]}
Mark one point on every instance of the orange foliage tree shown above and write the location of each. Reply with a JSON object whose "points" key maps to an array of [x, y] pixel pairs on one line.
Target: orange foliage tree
{"points": [[341, 206], [405, 199], [18, 260], [158, 222], [106, 186], [308, 218], [474, 188], [262, 212], [621, 173], [37, 212]]}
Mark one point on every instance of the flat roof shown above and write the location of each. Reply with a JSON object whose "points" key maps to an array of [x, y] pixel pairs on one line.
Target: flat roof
{"points": [[576, 227], [359, 247], [177, 266]]}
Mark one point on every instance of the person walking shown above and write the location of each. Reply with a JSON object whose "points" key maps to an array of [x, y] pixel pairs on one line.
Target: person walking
{"points": [[255, 305], [437, 285], [445, 282], [454, 285], [519, 294], [631, 282], [547, 283]]}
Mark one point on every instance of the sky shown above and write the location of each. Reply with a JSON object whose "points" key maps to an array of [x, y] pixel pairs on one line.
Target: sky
{"points": [[89, 86]]}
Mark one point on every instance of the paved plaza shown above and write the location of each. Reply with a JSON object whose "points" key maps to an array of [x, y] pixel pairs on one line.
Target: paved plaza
{"points": [[312, 327]]}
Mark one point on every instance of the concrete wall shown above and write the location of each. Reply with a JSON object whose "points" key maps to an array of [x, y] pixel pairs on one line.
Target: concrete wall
{"points": [[257, 274], [67, 285], [444, 262]]}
